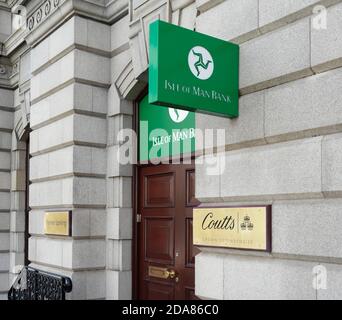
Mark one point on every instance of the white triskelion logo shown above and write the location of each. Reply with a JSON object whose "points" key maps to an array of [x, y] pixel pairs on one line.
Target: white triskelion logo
{"points": [[201, 63], [177, 115]]}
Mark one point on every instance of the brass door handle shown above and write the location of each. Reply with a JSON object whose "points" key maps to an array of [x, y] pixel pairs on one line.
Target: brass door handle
{"points": [[162, 273], [170, 273]]}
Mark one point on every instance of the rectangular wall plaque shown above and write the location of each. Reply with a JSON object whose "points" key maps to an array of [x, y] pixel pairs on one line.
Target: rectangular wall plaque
{"points": [[58, 223], [246, 228], [192, 71]]}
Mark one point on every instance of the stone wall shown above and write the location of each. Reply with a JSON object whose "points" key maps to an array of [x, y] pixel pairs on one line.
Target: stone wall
{"points": [[284, 149], [70, 79], [6, 127], [119, 176], [80, 76], [18, 194]]}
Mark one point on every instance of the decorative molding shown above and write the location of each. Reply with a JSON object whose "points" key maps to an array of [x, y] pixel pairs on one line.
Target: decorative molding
{"points": [[45, 16], [8, 75], [141, 14], [19, 128], [140, 18], [128, 86], [180, 4], [14, 41], [4, 5], [205, 5], [22, 118], [25, 107], [42, 12], [15, 69], [3, 70]]}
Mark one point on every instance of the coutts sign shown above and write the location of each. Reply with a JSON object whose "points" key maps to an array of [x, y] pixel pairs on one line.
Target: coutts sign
{"points": [[192, 71], [237, 228]]}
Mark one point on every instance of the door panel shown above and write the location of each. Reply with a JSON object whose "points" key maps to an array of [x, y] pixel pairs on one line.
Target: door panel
{"points": [[157, 291], [159, 191], [159, 240], [166, 253], [190, 188]]}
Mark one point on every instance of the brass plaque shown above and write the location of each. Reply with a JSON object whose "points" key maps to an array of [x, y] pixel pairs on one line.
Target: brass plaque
{"points": [[237, 228], [57, 223], [157, 272]]}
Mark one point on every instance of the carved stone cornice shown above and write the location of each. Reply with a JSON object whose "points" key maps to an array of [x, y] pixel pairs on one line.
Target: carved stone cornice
{"points": [[44, 16], [115, 10], [41, 13], [108, 13], [11, 62], [15, 40]]}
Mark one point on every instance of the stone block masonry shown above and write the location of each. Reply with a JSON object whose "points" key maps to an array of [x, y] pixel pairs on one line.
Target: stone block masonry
{"points": [[6, 127], [283, 150], [70, 82]]}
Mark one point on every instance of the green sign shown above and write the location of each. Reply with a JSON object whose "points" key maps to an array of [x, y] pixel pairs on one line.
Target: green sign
{"points": [[193, 71], [164, 132]]}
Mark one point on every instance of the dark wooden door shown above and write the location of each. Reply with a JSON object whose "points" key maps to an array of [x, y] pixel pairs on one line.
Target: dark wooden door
{"points": [[166, 253]]}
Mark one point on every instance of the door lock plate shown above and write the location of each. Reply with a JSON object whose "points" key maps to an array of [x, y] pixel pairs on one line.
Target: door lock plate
{"points": [[161, 273]]}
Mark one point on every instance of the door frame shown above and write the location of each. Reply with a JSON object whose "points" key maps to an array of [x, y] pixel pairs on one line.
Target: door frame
{"points": [[27, 202], [135, 192]]}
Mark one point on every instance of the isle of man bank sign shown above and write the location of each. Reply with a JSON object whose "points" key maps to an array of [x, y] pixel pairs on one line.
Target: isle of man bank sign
{"points": [[192, 71]]}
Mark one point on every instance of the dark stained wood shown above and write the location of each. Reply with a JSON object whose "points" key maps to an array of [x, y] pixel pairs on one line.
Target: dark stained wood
{"points": [[190, 294], [27, 207], [135, 200], [159, 291], [159, 240], [159, 191], [190, 190], [165, 202]]}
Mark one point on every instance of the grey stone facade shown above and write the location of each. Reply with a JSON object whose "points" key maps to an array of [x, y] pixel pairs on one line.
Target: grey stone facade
{"points": [[282, 150], [68, 80]]}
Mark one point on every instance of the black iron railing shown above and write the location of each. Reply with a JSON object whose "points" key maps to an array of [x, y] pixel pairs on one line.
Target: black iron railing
{"points": [[34, 284]]}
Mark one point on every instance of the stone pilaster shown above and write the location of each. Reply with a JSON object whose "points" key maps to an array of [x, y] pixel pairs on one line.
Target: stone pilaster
{"points": [[18, 193], [6, 127], [71, 76]]}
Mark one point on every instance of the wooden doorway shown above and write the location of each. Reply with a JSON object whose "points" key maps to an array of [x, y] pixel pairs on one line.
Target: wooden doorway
{"points": [[166, 196]]}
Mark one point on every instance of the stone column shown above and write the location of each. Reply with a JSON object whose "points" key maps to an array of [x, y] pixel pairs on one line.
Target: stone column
{"points": [[70, 77], [18, 196], [119, 177], [6, 127]]}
